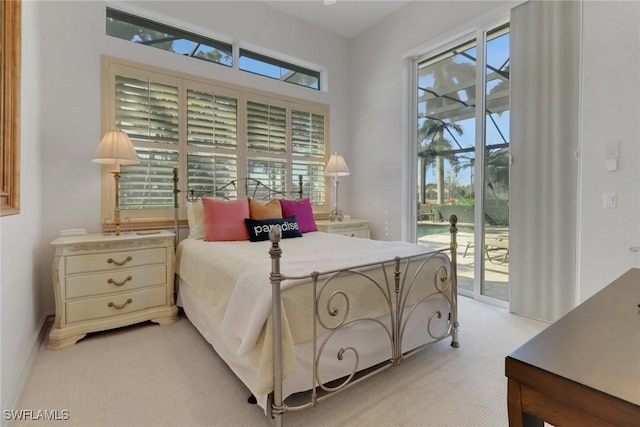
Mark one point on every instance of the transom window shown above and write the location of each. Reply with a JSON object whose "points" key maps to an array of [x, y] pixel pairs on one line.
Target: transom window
{"points": [[144, 31], [151, 33], [280, 70], [213, 133]]}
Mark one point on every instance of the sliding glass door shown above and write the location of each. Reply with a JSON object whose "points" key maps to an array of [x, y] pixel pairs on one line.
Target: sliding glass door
{"points": [[462, 157], [446, 151], [495, 193]]}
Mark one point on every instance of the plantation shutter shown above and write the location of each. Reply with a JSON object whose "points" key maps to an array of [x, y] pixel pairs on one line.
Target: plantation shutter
{"points": [[148, 112], [212, 124], [267, 144], [308, 153], [213, 134]]}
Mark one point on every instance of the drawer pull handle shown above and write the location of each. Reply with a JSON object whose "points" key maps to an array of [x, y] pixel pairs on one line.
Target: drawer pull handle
{"points": [[119, 307], [119, 283], [119, 263]]}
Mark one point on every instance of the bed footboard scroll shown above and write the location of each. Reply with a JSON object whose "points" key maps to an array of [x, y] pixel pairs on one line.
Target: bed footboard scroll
{"points": [[396, 292], [453, 230]]}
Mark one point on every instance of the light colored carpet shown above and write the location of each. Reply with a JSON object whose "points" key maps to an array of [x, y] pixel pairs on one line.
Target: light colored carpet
{"points": [[150, 375]]}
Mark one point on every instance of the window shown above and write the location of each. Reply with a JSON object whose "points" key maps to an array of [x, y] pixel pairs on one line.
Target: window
{"points": [[213, 133], [10, 107], [151, 33], [280, 70], [144, 31]]}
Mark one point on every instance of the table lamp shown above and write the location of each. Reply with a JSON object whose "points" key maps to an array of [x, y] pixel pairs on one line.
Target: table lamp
{"points": [[336, 167], [116, 149]]}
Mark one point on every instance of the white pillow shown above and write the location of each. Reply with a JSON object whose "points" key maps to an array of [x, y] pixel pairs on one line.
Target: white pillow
{"points": [[195, 218]]}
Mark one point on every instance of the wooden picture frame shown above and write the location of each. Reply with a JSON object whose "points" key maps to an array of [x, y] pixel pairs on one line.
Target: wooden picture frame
{"points": [[10, 58]]}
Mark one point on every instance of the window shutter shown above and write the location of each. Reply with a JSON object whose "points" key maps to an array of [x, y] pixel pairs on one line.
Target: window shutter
{"points": [[266, 128], [313, 180], [211, 120], [149, 184], [271, 172], [307, 131], [148, 112], [212, 128], [308, 146], [267, 145], [206, 171]]}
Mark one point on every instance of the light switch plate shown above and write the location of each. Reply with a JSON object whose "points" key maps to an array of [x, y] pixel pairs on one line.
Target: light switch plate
{"points": [[611, 165], [610, 200], [612, 150]]}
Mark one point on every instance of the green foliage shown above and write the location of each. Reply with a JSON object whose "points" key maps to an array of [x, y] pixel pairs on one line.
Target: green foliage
{"points": [[465, 202]]}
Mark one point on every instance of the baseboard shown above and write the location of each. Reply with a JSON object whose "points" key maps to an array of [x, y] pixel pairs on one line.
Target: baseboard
{"points": [[20, 379]]}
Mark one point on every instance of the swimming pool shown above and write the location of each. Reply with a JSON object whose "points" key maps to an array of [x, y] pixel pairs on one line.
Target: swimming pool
{"points": [[427, 229]]}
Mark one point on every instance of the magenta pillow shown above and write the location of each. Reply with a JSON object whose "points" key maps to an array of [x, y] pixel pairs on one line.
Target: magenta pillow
{"points": [[303, 212], [224, 220]]}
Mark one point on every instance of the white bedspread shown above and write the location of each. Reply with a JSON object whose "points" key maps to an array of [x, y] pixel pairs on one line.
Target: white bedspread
{"points": [[233, 279], [238, 273], [250, 303]]}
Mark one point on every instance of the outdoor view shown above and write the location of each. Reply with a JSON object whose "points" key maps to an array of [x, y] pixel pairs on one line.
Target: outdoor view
{"points": [[453, 155]]}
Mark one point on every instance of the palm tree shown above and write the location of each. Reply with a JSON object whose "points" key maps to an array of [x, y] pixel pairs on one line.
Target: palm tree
{"points": [[434, 148], [497, 172]]}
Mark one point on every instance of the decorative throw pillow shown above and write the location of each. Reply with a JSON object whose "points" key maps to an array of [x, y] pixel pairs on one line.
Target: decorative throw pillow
{"points": [[302, 210], [195, 218], [259, 228], [269, 210], [224, 220]]}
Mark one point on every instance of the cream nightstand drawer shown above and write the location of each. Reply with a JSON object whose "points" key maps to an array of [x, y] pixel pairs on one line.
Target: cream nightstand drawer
{"points": [[115, 260], [348, 227], [115, 281], [106, 281], [114, 305]]}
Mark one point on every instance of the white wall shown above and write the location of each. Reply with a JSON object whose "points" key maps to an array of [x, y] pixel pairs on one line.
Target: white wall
{"points": [[22, 307], [610, 111]]}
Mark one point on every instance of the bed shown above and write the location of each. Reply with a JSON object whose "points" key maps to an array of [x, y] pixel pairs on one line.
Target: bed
{"points": [[342, 308]]}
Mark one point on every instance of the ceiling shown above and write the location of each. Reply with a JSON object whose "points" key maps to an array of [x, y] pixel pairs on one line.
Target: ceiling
{"points": [[346, 18]]}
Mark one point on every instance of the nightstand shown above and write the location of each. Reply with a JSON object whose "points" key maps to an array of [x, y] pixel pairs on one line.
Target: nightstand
{"points": [[107, 281], [347, 227]]}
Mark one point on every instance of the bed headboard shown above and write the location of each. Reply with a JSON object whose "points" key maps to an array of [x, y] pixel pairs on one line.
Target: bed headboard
{"points": [[252, 188]]}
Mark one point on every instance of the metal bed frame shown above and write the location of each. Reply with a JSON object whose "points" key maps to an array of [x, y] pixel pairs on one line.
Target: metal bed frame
{"points": [[395, 291]]}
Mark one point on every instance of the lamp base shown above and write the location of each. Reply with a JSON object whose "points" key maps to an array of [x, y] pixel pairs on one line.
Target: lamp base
{"points": [[116, 226], [336, 215]]}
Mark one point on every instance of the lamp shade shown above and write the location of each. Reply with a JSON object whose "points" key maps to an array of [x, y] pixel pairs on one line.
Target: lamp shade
{"points": [[116, 149], [336, 166]]}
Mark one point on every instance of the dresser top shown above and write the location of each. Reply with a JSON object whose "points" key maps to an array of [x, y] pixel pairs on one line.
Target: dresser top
{"points": [[597, 344], [103, 238]]}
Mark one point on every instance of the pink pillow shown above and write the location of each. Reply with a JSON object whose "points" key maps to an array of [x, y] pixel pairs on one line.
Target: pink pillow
{"points": [[303, 212], [224, 220]]}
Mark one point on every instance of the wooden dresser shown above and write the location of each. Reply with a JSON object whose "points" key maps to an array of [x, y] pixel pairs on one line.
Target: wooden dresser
{"points": [[584, 369], [106, 281], [347, 227]]}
